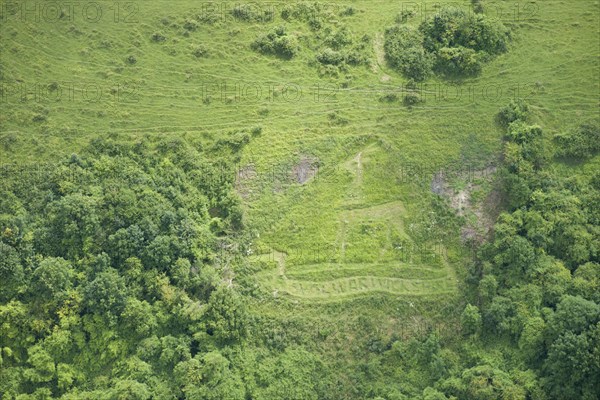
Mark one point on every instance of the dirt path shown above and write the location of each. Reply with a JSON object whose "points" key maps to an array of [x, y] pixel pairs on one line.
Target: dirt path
{"points": [[379, 65]]}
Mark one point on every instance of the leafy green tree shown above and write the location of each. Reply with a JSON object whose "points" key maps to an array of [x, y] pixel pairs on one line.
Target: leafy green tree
{"points": [[572, 366], [210, 378], [582, 142], [404, 51], [226, 315], [43, 366], [586, 281], [471, 320], [138, 317], [484, 382], [295, 375], [516, 110], [106, 294], [73, 226], [574, 314], [51, 280], [12, 275]]}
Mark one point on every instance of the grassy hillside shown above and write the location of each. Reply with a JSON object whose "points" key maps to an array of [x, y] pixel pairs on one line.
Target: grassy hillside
{"points": [[359, 209]]}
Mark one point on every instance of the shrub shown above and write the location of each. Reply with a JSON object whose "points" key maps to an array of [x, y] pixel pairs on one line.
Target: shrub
{"points": [[454, 28], [245, 12], [339, 38], [389, 98], [411, 99], [200, 51], [277, 42], [404, 16], [515, 110], [190, 25], [477, 6], [583, 142], [404, 52], [458, 61], [158, 37], [330, 57], [348, 11]]}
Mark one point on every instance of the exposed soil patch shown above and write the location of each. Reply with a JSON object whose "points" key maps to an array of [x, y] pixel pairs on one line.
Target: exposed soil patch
{"points": [[305, 170], [480, 215], [243, 181]]}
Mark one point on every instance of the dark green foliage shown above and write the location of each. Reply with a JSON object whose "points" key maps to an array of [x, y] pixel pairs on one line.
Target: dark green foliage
{"points": [[572, 363], [404, 51], [411, 99], [471, 320], [158, 37], [459, 61], [452, 27], [112, 266], [277, 42], [451, 42], [514, 111], [251, 13], [528, 285], [200, 51], [11, 271], [582, 142]]}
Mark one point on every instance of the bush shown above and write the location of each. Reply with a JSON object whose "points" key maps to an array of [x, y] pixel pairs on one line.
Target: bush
{"points": [[454, 28], [348, 11], [246, 12], [411, 99], [458, 61], [339, 38], [583, 142], [158, 37], [515, 110], [404, 52], [277, 42], [404, 16], [330, 57], [200, 51], [190, 25], [389, 98]]}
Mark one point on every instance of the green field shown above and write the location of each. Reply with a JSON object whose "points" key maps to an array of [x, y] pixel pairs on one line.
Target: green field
{"points": [[349, 254]]}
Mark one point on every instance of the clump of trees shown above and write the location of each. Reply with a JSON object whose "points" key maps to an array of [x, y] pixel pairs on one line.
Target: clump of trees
{"points": [[451, 43], [109, 273]]}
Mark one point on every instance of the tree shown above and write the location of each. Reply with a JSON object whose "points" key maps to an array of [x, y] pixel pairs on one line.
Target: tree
{"points": [[12, 275], [582, 142], [73, 224], [471, 320], [210, 378], [226, 315], [139, 317], [516, 110], [51, 280], [574, 314], [131, 390], [106, 294], [404, 51], [294, 375], [572, 366], [586, 281], [484, 382], [43, 366]]}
